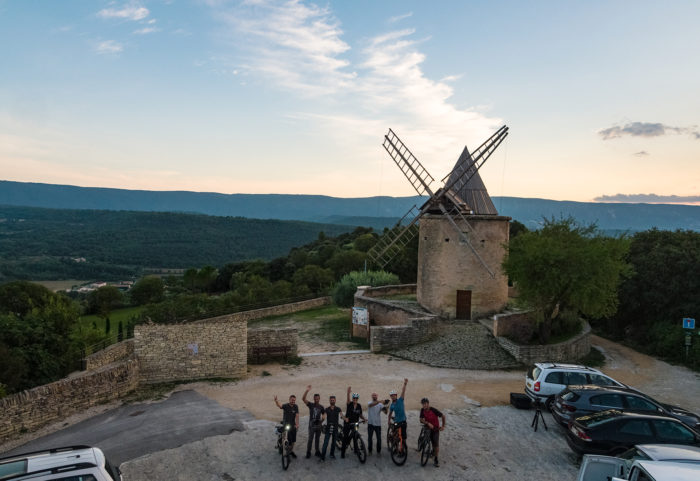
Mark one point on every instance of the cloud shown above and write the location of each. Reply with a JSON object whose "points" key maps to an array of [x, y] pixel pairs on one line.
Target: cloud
{"points": [[398, 18], [133, 11], [650, 199], [641, 153], [146, 30], [646, 129], [300, 47], [108, 47]]}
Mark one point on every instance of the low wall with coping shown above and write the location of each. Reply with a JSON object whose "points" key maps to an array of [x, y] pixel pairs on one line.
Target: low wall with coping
{"points": [[517, 326], [271, 337], [31, 409], [115, 352], [270, 311], [570, 350], [179, 352], [392, 325]]}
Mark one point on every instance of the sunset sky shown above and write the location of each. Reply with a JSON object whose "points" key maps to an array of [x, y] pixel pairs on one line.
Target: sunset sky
{"points": [[602, 97]]}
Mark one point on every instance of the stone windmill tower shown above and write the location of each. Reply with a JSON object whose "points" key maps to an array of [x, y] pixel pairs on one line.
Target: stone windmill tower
{"points": [[462, 238]]}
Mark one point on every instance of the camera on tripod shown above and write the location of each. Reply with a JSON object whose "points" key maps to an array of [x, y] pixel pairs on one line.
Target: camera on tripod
{"points": [[538, 414]]}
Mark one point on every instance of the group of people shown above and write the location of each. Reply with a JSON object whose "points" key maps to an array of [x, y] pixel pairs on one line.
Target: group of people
{"points": [[429, 416]]}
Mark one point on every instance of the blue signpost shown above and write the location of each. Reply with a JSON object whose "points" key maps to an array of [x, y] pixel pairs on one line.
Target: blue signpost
{"points": [[688, 323]]}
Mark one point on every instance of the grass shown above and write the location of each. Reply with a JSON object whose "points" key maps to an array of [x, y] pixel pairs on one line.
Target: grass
{"points": [[115, 316]]}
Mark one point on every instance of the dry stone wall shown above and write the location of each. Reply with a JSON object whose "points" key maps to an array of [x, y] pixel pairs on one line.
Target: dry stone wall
{"points": [[269, 337], [570, 350], [387, 338], [270, 311], [191, 351], [115, 352], [41, 405]]}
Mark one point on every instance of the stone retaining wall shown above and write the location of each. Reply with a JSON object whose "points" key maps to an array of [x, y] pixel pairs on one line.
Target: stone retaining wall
{"points": [[385, 291], [178, 352], [570, 350], [270, 337], [115, 352], [386, 338], [29, 410], [270, 311], [517, 326]]}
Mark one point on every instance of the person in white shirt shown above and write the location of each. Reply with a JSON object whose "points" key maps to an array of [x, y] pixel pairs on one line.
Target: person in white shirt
{"points": [[374, 424]]}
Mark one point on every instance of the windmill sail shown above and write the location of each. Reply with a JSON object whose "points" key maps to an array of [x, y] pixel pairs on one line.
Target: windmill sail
{"points": [[392, 243], [414, 171]]}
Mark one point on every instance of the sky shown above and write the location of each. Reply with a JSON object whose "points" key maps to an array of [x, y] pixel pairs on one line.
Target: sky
{"points": [[602, 98]]}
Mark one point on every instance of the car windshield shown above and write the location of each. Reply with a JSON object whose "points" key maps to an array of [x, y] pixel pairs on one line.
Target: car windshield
{"points": [[634, 453], [13, 467], [570, 396]]}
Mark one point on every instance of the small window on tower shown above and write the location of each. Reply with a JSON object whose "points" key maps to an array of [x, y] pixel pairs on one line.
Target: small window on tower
{"points": [[447, 239]]}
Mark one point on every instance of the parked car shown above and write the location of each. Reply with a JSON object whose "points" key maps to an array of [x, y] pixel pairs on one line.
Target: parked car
{"points": [[576, 401], [642, 470], [613, 432], [74, 463], [597, 467], [544, 380]]}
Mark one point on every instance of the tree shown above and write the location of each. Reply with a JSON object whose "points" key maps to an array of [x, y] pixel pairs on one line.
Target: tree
{"points": [[147, 289], [314, 277], [565, 269], [344, 290], [104, 300]]}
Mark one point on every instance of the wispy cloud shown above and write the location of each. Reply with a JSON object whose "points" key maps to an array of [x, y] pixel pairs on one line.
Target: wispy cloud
{"points": [[300, 46], [650, 199], [646, 129], [132, 11], [398, 18], [146, 30], [641, 153], [108, 46]]}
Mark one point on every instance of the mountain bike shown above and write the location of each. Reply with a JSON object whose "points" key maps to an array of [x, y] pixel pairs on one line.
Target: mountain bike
{"points": [[282, 444], [425, 445], [397, 444], [358, 445]]}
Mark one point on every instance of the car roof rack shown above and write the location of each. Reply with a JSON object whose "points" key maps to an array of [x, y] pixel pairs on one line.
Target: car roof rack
{"points": [[47, 451], [55, 470]]}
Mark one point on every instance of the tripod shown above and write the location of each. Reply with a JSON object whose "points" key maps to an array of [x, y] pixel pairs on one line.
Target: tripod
{"points": [[538, 416]]}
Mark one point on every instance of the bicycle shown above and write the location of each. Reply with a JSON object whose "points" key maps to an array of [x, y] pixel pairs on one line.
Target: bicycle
{"points": [[425, 445], [282, 444], [358, 445], [394, 441]]}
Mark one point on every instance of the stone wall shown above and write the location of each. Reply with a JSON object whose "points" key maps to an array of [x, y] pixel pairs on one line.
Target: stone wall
{"points": [[386, 291], [570, 350], [270, 337], [115, 352], [517, 326], [36, 407], [387, 338], [270, 311], [177, 352]]}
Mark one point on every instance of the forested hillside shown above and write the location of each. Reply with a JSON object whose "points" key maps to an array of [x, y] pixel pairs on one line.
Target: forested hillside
{"points": [[38, 243]]}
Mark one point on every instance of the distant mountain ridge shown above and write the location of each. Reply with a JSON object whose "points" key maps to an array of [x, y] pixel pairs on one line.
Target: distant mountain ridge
{"points": [[376, 212]]}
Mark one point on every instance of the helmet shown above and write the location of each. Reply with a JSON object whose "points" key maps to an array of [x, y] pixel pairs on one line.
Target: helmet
{"points": [[392, 392], [424, 400], [355, 395]]}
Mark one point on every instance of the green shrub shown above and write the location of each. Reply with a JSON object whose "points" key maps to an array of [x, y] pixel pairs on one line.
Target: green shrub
{"points": [[344, 290]]}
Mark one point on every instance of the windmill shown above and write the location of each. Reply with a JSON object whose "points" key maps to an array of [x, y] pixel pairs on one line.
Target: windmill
{"points": [[459, 202]]}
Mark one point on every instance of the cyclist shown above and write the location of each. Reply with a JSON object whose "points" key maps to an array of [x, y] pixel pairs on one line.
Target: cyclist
{"points": [[374, 423], [290, 417], [315, 420], [429, 417], [331, 416], [353, 413], [398, 411]]}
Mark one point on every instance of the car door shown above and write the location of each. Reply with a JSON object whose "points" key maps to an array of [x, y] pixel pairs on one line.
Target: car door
{"points": [[595, 468], [638, 403], [633, 431], [601, 402], [673, 432]]}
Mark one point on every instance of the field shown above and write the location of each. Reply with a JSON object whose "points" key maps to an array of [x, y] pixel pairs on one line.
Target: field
{"points": [[115, 316]]}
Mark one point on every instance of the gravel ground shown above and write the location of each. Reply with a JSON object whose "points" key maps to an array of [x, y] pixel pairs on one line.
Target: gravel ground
{"points": [[467, 345]]}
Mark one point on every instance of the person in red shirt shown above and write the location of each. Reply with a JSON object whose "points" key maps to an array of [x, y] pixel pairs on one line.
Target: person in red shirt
{"points": [[430, 417]]}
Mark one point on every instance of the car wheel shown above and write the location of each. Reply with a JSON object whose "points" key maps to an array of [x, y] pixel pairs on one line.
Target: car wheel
{"points": [[548, 403]]}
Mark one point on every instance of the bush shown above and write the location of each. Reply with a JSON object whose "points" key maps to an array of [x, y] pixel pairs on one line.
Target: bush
{"points": [[344, 290]]}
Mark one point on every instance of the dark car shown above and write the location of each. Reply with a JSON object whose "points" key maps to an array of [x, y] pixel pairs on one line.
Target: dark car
{"points": [[612, 432], [578, 401]]}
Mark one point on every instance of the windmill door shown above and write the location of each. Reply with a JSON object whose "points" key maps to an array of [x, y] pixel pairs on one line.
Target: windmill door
{"points": [[464, 305]]}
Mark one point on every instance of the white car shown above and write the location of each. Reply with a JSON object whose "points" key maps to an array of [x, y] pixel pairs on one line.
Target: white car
{"points": [[544, 380], [74, 463], [596, 467]]}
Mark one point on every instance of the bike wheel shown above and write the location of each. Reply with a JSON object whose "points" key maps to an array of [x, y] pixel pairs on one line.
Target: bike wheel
{"points": [[285, 455], [389, 435], [421, 439], [398, 457], [425, 454], [360, 449]]}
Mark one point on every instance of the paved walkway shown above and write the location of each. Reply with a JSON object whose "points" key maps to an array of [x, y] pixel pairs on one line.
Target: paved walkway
{"points": [[462, 345]]}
